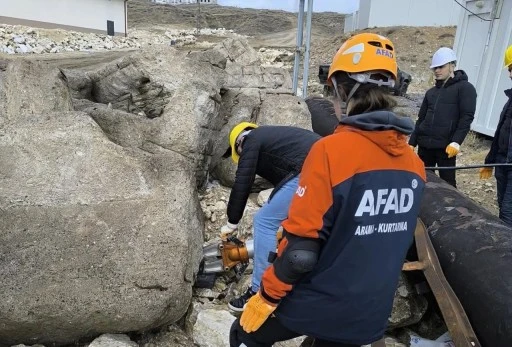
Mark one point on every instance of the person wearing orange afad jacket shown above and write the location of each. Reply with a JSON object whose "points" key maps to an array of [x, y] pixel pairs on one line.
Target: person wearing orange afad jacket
{"points": [[351, 220]]}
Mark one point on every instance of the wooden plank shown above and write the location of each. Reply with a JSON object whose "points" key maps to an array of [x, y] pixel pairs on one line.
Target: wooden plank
{"points": [[453, 313]]}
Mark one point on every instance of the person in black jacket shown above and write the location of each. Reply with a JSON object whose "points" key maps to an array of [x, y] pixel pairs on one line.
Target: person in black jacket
{"points": [[445, 115], [501, 152], [323, 115], [276, 153]]}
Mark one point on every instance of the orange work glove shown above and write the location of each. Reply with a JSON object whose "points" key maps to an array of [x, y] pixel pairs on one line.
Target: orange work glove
{"points": [[256, 312], [485, 173], [452, 149]]}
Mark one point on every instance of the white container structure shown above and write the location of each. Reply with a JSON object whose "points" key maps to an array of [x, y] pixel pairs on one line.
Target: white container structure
{"points": [[480, 43], [100, 16]]}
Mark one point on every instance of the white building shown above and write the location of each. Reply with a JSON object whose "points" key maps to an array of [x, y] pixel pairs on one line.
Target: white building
{"points": [[480, 45], [177, 2], [100, 16], [385, 13]]}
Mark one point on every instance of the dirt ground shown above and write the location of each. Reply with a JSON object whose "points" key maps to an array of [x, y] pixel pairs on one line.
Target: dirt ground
{"points": [[277, 29]]}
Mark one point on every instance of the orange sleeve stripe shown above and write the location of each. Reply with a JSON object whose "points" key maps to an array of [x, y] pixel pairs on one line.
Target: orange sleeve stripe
{"points": [[313, 197], [273, 286]]}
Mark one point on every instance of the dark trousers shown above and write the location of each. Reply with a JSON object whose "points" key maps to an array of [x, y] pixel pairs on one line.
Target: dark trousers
{"points": [[504, 187], [270, 332], [438, 157]]}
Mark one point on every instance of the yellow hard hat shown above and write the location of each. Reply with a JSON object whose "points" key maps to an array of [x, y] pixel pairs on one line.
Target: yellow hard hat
{"points": [[508, 56], [233, 135]]}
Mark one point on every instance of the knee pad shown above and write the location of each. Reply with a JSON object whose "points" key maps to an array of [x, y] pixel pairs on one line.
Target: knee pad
{"points": [[298, 258]]}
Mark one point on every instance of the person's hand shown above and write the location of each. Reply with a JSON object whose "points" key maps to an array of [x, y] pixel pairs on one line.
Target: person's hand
{"points": [[256, 312], [413, 148], [227, 230], [485, 173], [452, 149]]}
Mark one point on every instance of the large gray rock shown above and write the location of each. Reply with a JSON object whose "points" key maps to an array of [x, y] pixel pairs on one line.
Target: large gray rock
{"points": [[95, 237], [172, 336], [113, 340], [211, 328], [408, 306], [183, 102], [101, 228], [30, 87]]}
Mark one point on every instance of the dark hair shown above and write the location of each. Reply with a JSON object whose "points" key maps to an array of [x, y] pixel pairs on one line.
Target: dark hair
{"points": [[368, 97]]}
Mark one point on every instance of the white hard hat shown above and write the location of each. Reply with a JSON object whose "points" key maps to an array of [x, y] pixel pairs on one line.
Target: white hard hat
{"points": [[442, 56]]}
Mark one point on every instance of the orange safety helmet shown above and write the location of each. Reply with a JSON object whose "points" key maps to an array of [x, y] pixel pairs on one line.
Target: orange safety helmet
{"points": [[365, 52]]}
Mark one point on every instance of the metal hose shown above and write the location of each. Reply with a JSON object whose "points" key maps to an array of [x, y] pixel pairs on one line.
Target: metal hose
{"points": [[465, 167]]}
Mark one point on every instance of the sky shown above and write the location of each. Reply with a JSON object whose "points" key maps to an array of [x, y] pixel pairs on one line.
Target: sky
{"points": [[342, 6]]}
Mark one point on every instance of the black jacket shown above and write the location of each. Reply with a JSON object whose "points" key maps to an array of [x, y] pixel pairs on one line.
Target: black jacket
{"points": [[500, 151], [275, 153], [446, 113]]}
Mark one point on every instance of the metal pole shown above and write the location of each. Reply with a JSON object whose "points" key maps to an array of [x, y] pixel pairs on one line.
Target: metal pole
{"points": [[298, 46], [305, 75], [465, 167]]}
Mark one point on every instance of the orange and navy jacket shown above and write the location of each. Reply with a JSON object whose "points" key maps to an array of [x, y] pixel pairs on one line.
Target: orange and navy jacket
{"points": [[359, 193]]}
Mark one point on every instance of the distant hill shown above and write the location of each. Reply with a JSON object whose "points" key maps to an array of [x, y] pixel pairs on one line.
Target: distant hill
{"points": [[253, 22]]}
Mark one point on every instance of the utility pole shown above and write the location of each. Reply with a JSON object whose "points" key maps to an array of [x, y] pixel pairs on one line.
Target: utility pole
{"points": [[302, 51]]}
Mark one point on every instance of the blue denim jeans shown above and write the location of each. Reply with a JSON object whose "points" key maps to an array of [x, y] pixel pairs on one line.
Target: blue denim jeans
{"points": [[266, 223], [504, 187]]}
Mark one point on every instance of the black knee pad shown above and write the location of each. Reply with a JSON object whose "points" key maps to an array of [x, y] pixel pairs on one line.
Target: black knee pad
{"points": [[298, 258]]}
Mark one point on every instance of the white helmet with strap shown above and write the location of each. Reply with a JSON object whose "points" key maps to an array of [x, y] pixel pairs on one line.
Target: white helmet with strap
{"points": [[442, 56]]}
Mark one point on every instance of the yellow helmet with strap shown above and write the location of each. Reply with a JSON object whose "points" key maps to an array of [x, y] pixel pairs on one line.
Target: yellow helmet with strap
{"points": [[233, 135], [508, 56]]}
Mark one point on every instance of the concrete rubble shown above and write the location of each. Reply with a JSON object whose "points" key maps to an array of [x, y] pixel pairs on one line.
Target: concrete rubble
{"points": [[19, 39]]}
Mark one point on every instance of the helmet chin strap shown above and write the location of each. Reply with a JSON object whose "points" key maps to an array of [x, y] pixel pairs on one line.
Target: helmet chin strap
{"points": [[352, 91], [343, 103]]}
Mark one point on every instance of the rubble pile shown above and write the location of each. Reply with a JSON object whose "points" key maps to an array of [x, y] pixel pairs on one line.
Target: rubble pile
{"points": [[21, 39], [276, 57], [18, 39]]}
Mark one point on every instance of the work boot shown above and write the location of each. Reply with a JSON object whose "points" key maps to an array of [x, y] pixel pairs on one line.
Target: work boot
{"points": [[238, 304]]}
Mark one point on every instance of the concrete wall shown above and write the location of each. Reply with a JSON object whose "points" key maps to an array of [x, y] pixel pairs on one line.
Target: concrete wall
{"points": [[177, 2], [385, 13], [413, 13], [480, 46], [84, 15], [363, 16], [348, 25]]}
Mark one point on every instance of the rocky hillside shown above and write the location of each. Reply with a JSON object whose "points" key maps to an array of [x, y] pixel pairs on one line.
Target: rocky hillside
{"points": [[253, 22]]}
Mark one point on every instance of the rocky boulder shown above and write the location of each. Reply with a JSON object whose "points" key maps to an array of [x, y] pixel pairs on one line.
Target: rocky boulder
{"points": [[100, 166], [95, 237]]}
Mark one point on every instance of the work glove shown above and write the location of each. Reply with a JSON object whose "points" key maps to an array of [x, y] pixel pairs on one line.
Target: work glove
{"points": [[413, 148], [485, 173], [452, 149], [256, 312], [227, 230]]}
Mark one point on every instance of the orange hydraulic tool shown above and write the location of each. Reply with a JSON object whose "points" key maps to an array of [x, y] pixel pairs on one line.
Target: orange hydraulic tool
{"points": [[222, 256]]}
